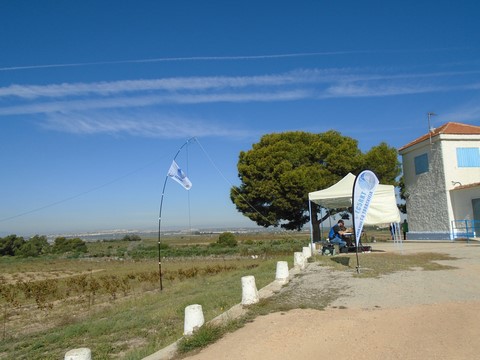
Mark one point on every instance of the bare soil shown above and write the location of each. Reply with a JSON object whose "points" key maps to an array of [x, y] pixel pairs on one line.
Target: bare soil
{"points": [[406, 315]]}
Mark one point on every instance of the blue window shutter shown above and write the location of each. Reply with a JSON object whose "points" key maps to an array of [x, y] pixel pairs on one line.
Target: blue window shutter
{"points": [[468, 157]]}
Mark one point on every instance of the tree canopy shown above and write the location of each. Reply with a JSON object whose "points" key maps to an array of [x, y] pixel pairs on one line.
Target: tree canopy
{"points": [[13, 245], [282, 168]]}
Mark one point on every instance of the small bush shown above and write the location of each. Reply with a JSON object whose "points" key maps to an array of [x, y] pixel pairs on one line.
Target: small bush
{"points": [[227, 239], [131, 237]]}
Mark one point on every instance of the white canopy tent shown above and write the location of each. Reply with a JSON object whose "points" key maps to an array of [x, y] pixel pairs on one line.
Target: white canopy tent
{"points": [[383, 206]]}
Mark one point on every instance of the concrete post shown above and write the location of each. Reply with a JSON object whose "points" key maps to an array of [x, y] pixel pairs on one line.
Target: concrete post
{"points": [[249, 290], [282, 272], [299, 260], [194, 319], [78, 354], [307, 252]]}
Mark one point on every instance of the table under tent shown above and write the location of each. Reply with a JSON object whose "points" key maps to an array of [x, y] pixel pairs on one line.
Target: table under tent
{"points": [[383, 206]]}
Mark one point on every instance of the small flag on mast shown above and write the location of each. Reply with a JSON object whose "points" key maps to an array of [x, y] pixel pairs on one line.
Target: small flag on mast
{"points": [[179, 176]]}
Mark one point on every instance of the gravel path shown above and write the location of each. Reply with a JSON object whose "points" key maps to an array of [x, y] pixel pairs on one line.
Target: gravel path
{"points": [[406, 315]]}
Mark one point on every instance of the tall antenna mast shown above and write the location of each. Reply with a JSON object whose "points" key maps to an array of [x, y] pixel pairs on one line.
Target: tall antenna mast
{"points": [[430, 129]]}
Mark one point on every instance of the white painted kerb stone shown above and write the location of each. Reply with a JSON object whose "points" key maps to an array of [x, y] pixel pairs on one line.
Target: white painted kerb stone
{"points": [[307, 252], [282, 271], [249, 290], [79, 354], [193, 319], [299, 260]]}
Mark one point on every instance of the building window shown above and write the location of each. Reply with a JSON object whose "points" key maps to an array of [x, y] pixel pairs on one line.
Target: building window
{"points": [[421, 164], [468, 157]]}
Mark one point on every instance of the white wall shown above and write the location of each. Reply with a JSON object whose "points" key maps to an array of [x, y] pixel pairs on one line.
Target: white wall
{"points": [[465, 176], [460, 201], [432, 204]]}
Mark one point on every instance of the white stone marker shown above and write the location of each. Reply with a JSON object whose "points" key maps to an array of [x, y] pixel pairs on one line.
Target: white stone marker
{"points": [[282, 272], [299, 260], [307, 252], [194, 319], [79, 354], [249, 290]]}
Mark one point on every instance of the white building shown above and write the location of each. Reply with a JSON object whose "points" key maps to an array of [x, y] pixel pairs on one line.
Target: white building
{"points": [[441, 171]]}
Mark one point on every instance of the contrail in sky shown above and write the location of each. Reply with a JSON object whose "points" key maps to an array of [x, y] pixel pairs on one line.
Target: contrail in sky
{"points": [[172, 59], [214, 58]]}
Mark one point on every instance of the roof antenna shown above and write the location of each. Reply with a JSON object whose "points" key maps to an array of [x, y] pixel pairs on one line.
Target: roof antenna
{"points": [[430, 129]]}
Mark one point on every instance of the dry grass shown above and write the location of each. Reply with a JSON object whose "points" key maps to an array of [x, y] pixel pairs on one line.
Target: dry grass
{"points": [[376, 264], [136, 322]]}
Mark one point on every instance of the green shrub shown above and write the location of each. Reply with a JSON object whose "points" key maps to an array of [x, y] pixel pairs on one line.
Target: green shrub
{"points": [[63, 245], [227, 239], [132, 237]]}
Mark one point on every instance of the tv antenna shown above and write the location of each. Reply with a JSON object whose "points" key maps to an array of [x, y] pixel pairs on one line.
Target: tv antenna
{"points": [[430, 129]]}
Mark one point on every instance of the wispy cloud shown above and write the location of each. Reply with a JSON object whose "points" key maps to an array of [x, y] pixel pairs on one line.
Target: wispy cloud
{"points": [[173, 84], [135, 86], [375, 90], [150, 100], [467, 112], [210, 83], [293, 78], [95, 107], [145, 124]]}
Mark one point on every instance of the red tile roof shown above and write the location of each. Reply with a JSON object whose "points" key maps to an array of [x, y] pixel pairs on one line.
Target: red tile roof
{"points": [[448, 128]]}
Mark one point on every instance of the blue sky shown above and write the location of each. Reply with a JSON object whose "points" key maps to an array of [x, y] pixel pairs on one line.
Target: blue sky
{"points": [[96, 97]]}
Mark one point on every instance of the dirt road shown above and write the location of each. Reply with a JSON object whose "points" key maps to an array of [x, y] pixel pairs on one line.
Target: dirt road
{"points": [[406, 315]]}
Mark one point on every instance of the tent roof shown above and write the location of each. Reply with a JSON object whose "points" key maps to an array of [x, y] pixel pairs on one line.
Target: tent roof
{"points": [[383, 206]]}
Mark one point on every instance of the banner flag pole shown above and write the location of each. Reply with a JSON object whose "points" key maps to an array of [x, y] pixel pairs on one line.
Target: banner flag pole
{"points": [[186, 184], [363, 189]]}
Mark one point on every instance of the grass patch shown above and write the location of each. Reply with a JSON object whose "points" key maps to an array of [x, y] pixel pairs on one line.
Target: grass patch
{"points": [[204, 336], [378, 264], [134, 324]]}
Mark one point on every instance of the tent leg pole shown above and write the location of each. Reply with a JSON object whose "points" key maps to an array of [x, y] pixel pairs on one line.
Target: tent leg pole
{"points": [[311, 224]]}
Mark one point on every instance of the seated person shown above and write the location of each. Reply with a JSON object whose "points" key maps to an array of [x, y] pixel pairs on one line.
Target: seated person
{"points": [[336, 234]]}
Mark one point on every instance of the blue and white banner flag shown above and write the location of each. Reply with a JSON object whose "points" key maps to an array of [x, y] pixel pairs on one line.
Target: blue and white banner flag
{"points": [[363, 189], [179, 176]]}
